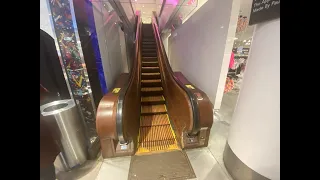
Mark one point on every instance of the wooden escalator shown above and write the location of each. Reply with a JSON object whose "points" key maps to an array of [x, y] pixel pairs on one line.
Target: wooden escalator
{"points": [[155, 133]]}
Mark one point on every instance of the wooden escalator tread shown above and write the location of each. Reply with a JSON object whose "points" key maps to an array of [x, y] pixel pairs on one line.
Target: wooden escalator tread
{"points": [[149, 63], [155, 120], [152, 98], [153, 146], [150, 73], [156, 133], [150, 80], [151, 89], [150, 109], [156, 138], [152, 67]]}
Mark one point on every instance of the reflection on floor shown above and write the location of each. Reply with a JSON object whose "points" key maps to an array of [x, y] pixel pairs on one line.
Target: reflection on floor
{"points": [[207, 162]]}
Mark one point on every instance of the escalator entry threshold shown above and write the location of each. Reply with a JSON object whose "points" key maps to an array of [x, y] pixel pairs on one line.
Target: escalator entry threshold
{"points": [[155, 132]]}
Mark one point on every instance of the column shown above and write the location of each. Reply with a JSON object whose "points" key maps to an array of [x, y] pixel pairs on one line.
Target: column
{"points": [[253, 147], [70, 53]]}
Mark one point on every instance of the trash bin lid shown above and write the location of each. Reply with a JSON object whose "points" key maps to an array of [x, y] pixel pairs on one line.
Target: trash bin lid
{"points": [[56, 107]]}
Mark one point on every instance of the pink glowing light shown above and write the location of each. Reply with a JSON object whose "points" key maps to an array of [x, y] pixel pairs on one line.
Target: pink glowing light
{"points": [[190, 2], [173, 2]]}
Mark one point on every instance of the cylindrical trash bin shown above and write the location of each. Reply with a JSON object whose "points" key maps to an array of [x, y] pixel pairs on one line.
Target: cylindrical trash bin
{"points": [[70, 130]]}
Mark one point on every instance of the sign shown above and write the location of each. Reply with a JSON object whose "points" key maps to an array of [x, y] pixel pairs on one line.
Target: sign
{"points": [[189, 86], [116, 90], [264, 10]]}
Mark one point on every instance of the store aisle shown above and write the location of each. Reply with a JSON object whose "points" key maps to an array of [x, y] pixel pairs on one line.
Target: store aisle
{"points": [[228, 104]]}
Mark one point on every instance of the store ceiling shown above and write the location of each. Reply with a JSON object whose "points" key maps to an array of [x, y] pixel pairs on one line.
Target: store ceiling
{"points": [[146, 7]]}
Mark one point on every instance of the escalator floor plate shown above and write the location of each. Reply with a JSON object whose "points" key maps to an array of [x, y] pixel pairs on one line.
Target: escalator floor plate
{"points": [[170, 165]]}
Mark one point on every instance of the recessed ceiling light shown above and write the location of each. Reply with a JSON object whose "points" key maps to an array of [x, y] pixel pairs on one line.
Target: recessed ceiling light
{"points": [[142, 5]]}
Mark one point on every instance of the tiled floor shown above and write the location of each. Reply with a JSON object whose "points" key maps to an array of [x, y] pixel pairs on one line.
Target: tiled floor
{"points": [[207, 162]]}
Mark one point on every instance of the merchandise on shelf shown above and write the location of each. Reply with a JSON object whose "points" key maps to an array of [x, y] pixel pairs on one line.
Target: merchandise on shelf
{"points": [[229, 85], [242, 23]]}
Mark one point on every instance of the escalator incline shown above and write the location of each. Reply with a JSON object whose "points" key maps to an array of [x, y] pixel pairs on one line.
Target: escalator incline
{"points": [[155, 133]]}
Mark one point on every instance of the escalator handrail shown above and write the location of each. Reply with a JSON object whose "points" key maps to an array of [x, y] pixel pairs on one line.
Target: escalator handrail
{"points": [[123, 91], [193, 99]]}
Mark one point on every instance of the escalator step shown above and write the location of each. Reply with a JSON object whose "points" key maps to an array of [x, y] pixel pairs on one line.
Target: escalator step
{"points": [[150, 73], [150, 146], [152, 43], [143, 41], [151, 91], [151, 83], [149, 54], [152, 100], [153, 109], [149, 59], [150, 69], [149, 46], [155, 133], [155, 120], [153, 50], [146, 76], [150, 64], [148, 38]]}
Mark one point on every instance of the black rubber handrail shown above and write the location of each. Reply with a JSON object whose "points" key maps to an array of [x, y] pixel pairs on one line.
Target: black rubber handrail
{"points": [[124, 89], [193, 99]]}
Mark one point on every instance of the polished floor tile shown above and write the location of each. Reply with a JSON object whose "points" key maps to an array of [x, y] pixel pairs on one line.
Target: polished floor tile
{"points": [[220, 128], [115, 168], [204, 165], [217, 142], [88, 171], [228, 104]]}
